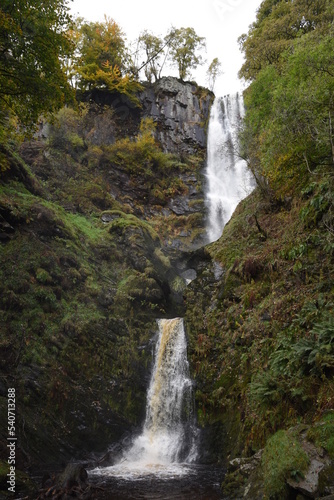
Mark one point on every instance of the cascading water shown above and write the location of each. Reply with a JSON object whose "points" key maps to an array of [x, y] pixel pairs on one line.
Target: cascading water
{"points": [[168, 440], [228, 179]]}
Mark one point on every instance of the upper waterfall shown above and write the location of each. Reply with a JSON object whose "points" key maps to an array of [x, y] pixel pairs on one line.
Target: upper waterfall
{"points": [[228, 179]]}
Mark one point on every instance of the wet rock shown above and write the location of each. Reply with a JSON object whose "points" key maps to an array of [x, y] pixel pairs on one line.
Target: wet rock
{"points": [[109, 217], [179, 205], [326, 481], [73, 475], [309, 484], [244, 479], [246, 465], [189, 275]]}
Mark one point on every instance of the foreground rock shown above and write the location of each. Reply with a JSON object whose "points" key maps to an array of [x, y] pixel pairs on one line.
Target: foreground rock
{"points": [[71, 483], [245, 477]]}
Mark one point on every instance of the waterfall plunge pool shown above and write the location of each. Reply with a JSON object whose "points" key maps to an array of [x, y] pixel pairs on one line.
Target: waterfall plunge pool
{"points": [[161, 461], [178, 482]]}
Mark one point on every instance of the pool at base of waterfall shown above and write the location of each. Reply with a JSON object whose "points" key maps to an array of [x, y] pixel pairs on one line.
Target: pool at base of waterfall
{"points": [[158, 482]]}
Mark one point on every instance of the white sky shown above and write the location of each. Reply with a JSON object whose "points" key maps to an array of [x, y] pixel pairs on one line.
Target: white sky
{"points": [[221, 22]]}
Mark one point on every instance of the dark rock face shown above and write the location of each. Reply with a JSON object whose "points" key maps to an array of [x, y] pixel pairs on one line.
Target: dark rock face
{"points": [[180, 109], [180, 112]]}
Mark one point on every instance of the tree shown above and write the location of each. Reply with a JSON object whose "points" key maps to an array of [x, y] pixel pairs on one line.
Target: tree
{"points": [[102, 57], [153, 47], [101, 48], [33, 44], [213, 72], [184, 46], [288, 128], [278, 24]]}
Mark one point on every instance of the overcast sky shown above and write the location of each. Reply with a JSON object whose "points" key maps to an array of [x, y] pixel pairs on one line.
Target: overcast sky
{"points": [[221, 22]]}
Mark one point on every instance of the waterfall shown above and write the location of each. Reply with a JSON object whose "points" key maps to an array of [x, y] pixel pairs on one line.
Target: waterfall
{"points": [[228, 179], [169, 432], [165, 438]]}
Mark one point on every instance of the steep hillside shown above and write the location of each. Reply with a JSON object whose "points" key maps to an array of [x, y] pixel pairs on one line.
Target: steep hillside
{"points": [[90, 217], [260, 322]]}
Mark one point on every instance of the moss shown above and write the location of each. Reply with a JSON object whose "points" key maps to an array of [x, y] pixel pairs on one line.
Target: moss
{"points": [[233, 485], [43, 276], [163, 258], [283, 458], [326, 481], [140, 286], [178, 285], [322, 434], [121, 221]]}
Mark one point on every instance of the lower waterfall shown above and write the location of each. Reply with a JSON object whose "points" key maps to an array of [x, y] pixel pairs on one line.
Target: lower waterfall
{"points": [[228, 179], [169, 438]]}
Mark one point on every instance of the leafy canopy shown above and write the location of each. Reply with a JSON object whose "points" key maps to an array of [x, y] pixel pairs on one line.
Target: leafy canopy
{"points": [[102, 58], [33, 45], [184, 46], [153, 48], [288, 128], [213, 72], [278, 24]]}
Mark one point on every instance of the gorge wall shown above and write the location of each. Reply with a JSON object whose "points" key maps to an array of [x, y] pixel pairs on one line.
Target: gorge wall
{"points": [[99, 223], [91, 212]]}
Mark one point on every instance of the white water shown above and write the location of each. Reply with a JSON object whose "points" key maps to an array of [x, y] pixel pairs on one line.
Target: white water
{"points": [[168, 439], [228, 179]]}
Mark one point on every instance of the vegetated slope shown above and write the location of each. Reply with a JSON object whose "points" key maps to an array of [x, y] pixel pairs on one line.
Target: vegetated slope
{"points": [[260, 317], [262, 345], [84, 275], [78, 298]]}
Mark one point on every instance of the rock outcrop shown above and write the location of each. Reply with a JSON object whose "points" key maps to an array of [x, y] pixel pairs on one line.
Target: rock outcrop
{"points": [[181, 111]]}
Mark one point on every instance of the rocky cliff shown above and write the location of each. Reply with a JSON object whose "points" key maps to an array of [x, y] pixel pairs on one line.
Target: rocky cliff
{"points": [[181, 111], [90, 213]]}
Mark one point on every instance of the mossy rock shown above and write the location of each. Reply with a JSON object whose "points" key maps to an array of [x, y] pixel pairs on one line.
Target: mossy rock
{"points": [[326, 481], [140, 286], [233, 485], [283, 458]]}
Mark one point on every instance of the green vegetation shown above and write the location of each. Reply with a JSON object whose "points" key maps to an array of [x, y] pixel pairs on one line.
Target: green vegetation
{"points": [[283, 458], [102, 59], [260, 314], [153, 48], [213, 72], [34, 43], [184, 46], [288, 135], [69, 323], [322, 433], [262, 335]]}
